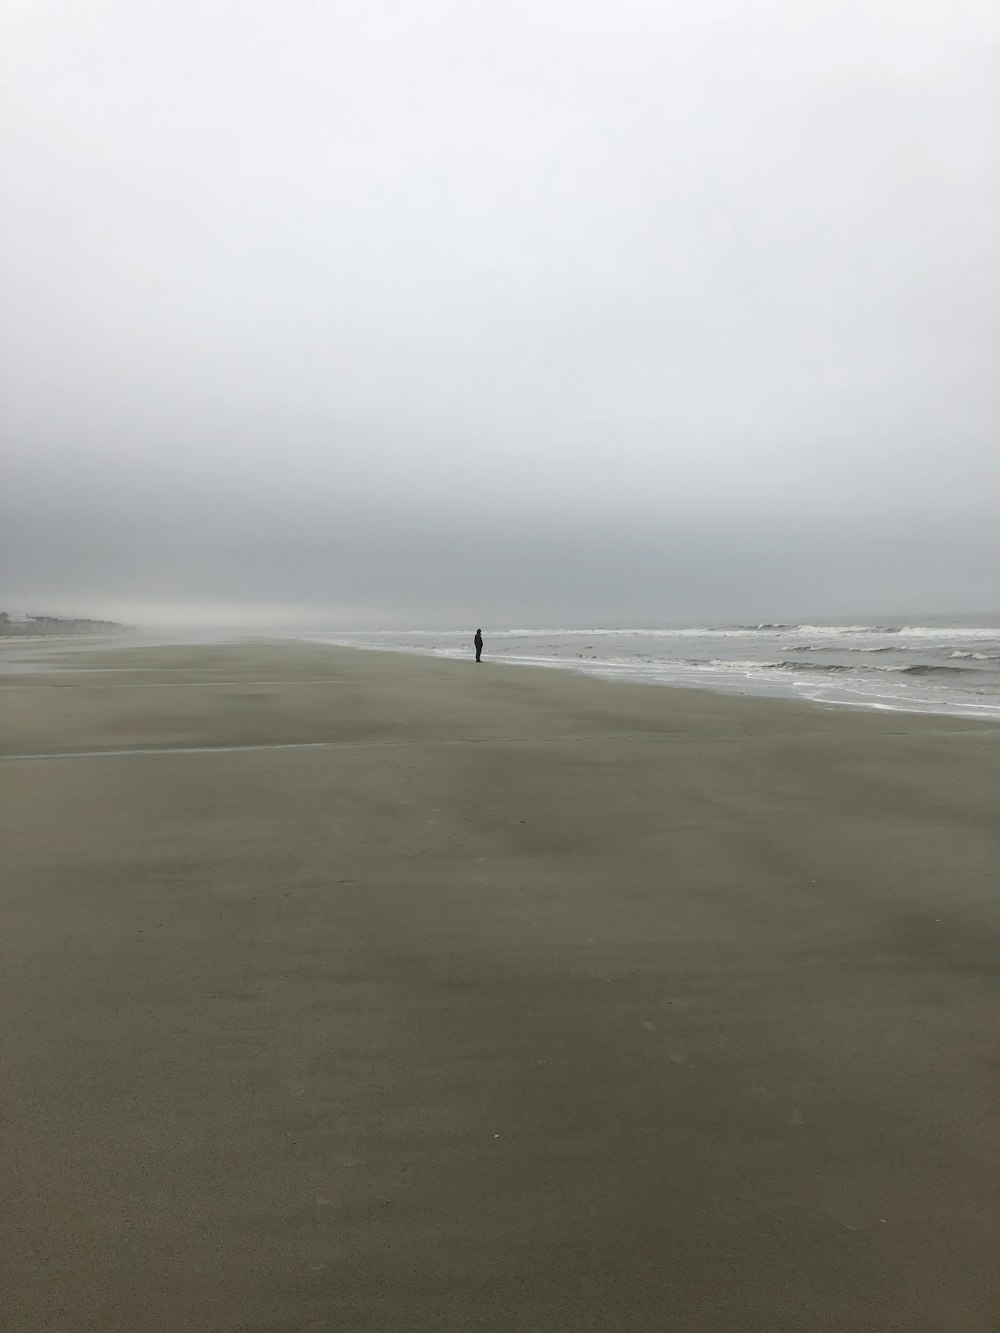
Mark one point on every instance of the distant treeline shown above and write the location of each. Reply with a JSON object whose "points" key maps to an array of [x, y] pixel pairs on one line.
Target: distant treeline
{"points": [[14, 625]]}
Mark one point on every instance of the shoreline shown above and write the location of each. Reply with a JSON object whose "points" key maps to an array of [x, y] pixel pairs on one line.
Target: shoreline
{"points": [[707, 702], [607, 672], [610, 671]]}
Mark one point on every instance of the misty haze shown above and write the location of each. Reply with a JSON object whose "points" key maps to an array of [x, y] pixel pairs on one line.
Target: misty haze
{"points": [[393, 315], [500, 665]]}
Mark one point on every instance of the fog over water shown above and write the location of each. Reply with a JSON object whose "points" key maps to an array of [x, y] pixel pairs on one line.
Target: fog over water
{"points": [[542, 314]]}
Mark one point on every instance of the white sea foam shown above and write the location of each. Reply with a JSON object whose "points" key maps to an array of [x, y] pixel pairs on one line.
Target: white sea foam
{"points": [[950, 632], [941, 632]]}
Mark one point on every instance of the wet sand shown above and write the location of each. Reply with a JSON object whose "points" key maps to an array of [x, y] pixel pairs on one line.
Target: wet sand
{"points": [[373, 993]]}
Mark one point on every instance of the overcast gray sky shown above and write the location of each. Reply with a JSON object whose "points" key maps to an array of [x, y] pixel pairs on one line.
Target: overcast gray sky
{"points": [[442, 311]]}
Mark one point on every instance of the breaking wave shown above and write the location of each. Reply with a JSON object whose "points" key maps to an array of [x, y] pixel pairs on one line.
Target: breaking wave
{"points": [[851, 648], [929, 669], [833, 631], [917, 669]]}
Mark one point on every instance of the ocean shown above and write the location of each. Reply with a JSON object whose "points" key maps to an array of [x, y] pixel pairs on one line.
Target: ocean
{"points": [[926, 664]]}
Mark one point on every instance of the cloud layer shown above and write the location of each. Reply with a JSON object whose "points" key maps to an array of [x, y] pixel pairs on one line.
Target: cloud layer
{"points": [[410, 314]]}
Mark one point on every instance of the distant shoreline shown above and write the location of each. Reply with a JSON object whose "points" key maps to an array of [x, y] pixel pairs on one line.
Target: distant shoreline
{"points": [[33, 626]]}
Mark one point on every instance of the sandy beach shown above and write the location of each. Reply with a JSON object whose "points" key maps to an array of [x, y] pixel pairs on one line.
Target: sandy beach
{"points": [[370, 993]]}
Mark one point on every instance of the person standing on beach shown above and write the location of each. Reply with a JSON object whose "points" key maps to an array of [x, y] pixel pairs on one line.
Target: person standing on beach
{"points": [[478, 641]]}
